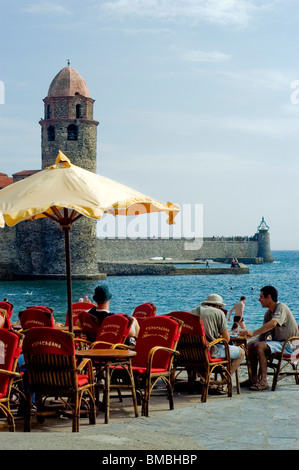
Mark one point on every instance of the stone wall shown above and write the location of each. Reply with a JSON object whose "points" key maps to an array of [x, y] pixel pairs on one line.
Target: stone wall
{"points": [[8, 259], [177, 249]]}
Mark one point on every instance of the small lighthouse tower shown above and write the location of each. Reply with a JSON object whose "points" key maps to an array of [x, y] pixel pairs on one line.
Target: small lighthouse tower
{"points": [[263, 237]]}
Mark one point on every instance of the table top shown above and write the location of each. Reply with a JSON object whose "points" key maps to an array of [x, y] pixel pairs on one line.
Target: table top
{"points": [[66, 328], [240, 337], [106, 353]]}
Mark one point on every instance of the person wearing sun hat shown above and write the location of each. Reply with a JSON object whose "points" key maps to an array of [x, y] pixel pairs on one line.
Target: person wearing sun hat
{"points": [[214, 299], [215, 326]]}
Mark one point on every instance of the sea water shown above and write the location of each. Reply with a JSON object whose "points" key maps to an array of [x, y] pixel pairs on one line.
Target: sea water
{"points": [[170, 293]]}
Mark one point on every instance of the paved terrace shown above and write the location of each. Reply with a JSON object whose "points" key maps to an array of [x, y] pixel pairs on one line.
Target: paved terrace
{"points": [[251, 421]]}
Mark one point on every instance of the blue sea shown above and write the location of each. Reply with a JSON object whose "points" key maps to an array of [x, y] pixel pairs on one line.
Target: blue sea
{"points": [[170, 293]]}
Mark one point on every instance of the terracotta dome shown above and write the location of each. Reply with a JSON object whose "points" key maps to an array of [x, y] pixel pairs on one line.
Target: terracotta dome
{"points": [[68, 82]]}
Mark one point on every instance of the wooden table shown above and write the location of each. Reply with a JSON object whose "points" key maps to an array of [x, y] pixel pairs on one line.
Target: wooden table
{"points": [[66, 328], [105, 361], [242, 341]]}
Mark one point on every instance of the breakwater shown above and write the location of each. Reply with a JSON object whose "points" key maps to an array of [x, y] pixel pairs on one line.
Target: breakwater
{"points": [[164, 268]]}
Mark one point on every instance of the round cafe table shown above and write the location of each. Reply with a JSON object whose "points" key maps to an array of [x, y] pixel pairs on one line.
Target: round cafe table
{"points": [[105, 362], [243, 341]]}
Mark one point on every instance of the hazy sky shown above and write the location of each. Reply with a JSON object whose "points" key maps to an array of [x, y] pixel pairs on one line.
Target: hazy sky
{"points": [[194, 99]]}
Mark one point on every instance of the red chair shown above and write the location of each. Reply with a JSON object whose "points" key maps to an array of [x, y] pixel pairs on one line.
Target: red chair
{"points": [[7, 309], [37, 316], [89, 325], [113, 331], [40, 307], [10, 350], [78, 307], [155, 347], [52, 371], [112, 334], [195, 355], [143, 311]]}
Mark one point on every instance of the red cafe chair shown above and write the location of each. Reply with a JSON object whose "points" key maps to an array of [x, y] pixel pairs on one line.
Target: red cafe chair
{"points": [[143, 311], [155, 347], [113, 331], [89, 326], [10, 350], [112, 334], [78, 307], [195, 356], [52, 371], [34, 317]]}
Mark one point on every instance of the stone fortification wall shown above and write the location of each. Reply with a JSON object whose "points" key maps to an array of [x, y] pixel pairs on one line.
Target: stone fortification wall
{"points": [[8, 252], [178, 249]]}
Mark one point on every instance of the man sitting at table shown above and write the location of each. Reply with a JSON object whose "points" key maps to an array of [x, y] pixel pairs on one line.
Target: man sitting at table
{"points": [[102, 297], [280, 324], [215, 326]]}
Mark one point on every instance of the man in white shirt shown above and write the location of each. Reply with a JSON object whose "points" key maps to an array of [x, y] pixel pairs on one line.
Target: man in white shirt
{"points": [[280, 324]]}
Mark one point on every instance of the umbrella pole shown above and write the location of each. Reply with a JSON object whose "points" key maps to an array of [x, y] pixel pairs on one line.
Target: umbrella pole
{"points": [[66, 230]]}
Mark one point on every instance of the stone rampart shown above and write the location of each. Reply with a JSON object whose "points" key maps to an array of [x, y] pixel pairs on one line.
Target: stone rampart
{"points": [[222, 249]]}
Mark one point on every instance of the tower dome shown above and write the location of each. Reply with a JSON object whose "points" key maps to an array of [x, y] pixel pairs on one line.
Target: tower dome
{"points": [[68, 82]]}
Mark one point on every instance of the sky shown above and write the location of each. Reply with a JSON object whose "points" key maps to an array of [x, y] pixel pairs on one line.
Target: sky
{"points": [[198, 100]]}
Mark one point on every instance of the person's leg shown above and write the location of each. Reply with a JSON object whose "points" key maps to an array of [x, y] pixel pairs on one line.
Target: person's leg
{"points": [[253, 360], [262, 351], [236, 362], [261, 382]]}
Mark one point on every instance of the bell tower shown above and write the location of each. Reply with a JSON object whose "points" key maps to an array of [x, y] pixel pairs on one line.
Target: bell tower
{"points": [[68, 125]]}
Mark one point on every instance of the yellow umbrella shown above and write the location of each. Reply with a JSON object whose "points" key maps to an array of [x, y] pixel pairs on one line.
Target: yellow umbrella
{"points": [[65, 192]]}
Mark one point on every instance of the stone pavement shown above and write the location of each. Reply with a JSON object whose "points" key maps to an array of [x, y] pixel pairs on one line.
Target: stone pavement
{"points": [[251, 421]]}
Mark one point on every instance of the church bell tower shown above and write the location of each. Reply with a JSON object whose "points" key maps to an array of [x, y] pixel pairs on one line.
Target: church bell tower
{"points": [[68, 125]]}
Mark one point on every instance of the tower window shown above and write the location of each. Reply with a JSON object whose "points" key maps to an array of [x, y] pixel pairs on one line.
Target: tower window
{"points": [[48, 111], [51, 133], [72, 132], [79, 112]]}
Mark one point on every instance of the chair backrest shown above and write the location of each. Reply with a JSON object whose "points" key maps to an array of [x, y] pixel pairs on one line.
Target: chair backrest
{"points": [[37, 316], [156, 331], [143, 311], [192, 344], [78, 307], [6, 308], [89, 324], [114, 329], [50, 359], [40, 307], [10, 350]]}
